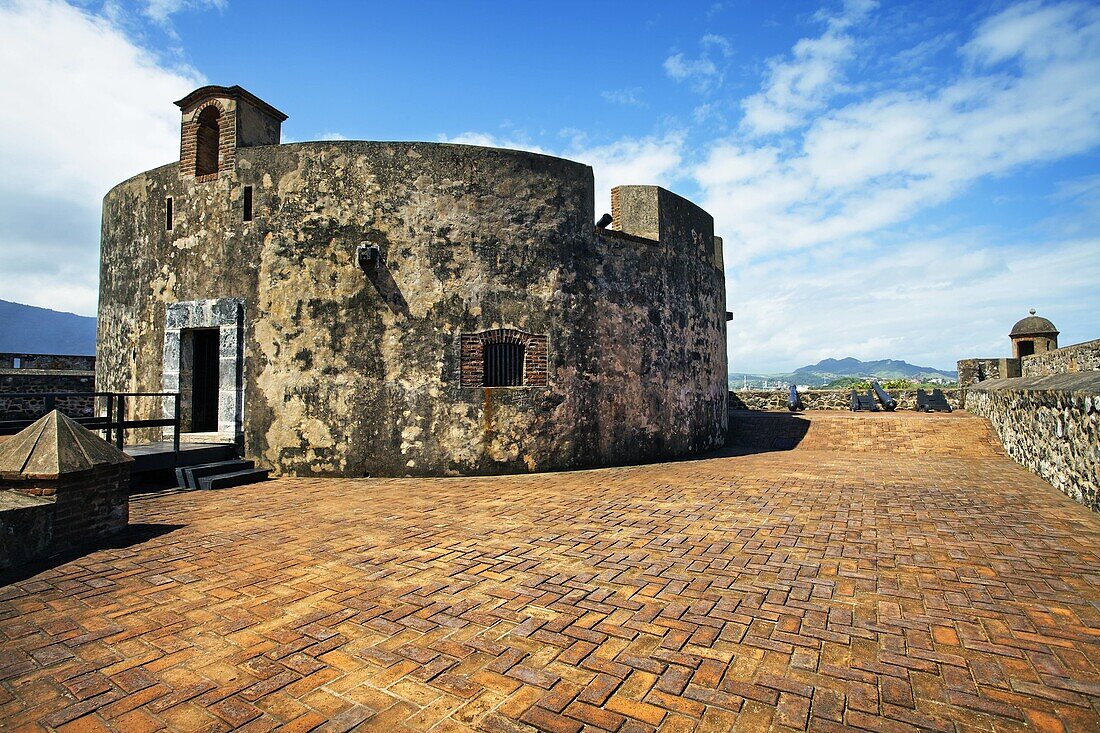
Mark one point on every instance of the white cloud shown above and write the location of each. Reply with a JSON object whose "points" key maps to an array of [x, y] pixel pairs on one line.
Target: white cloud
{"points": [[876, 163], [96, 109], [681, 68], [702, 73], [712, 40], [802, 84], [929, 302], [817, 213], [161, 11], [628, 97], [1036, 33], [333, 136]]}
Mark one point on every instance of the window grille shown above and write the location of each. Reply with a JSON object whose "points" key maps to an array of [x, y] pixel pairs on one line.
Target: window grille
{"points": [[503, 365]]}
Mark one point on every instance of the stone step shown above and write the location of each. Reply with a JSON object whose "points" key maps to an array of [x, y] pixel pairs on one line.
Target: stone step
{"points": [[187, 476], [236, 478]]}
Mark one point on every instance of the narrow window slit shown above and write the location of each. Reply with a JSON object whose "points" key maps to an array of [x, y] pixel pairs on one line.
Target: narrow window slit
{"points": [[248, 203], [168, 214]]}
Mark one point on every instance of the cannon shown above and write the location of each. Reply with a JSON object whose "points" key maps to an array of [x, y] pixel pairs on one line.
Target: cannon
{"points": [[888, 403], [794, 402], [863, 402], [939, 402], [935, 402]]}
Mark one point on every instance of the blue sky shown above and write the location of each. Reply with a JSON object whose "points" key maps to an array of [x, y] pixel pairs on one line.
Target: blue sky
{"points": [[892, 179]]}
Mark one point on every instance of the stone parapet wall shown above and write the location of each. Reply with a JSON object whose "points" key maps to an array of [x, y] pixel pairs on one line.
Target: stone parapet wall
{"points": [[1049, 424], [51, 362], [1083, 357], [824, 399], [39, 383], [972, 371]]}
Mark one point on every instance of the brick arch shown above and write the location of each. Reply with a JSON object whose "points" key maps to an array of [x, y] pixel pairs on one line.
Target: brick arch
{"points": [[472, 355], [505, 336], [211, 103]]}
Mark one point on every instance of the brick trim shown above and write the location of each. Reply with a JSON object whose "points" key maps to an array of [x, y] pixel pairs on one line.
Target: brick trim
{"points": [[472, 355]]}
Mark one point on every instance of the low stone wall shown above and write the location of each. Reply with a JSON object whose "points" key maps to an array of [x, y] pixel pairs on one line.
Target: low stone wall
{"points": [[39, 382], [823, 399], [1051, 425], [972, 371], [49, 362], [1082, 357]]}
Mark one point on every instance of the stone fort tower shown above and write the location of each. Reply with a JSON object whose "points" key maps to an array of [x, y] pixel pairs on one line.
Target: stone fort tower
{"points": [[347, 307]]}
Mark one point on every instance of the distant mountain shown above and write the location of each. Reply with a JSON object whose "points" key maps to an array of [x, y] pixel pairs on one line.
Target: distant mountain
{"points": [[830, 370], [26, 329], [883, 368]]}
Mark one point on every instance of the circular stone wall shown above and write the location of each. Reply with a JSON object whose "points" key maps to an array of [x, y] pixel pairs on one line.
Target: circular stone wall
{"points": [[349, 372], [328, 367]]}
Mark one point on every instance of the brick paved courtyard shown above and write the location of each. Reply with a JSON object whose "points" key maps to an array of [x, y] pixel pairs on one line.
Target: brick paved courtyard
{"points": [[936, 587]]}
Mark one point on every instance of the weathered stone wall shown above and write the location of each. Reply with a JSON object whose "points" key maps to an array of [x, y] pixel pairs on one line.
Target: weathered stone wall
{"points": [[38, 383], [972, 371], [1050, 425], [659, 330], [346, 374], [1083, 357], [53, 362], [38, 374], [824, 399]]}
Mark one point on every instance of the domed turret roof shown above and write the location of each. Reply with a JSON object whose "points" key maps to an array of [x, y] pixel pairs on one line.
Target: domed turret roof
{"points": [[1033, 325]]}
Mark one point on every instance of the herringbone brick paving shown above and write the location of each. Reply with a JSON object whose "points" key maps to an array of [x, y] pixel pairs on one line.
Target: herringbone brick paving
{"points": [[937, 586]]}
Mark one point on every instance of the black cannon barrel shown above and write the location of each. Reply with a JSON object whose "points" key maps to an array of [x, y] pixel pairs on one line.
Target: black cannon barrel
{"points": [[888, 403], [794, 402]]}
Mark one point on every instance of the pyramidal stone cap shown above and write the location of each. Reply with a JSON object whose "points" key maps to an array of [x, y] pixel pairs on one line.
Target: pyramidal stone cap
{"points": [[53, 446]]}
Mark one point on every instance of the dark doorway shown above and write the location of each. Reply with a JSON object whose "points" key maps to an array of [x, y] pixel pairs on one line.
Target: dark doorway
{"points": [[204, 381], [207, 141], [1027, 348]]}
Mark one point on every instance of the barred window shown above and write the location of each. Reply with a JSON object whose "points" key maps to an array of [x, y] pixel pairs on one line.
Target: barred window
{"points": [[503, 365], [503, 357]]}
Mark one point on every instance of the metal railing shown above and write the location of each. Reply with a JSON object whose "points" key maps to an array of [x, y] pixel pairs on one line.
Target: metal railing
{"points": [[114, 423]]}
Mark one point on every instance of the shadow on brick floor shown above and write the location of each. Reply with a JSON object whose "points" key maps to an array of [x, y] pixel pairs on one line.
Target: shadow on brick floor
{"points": [[752, 432], [134, 534]]}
